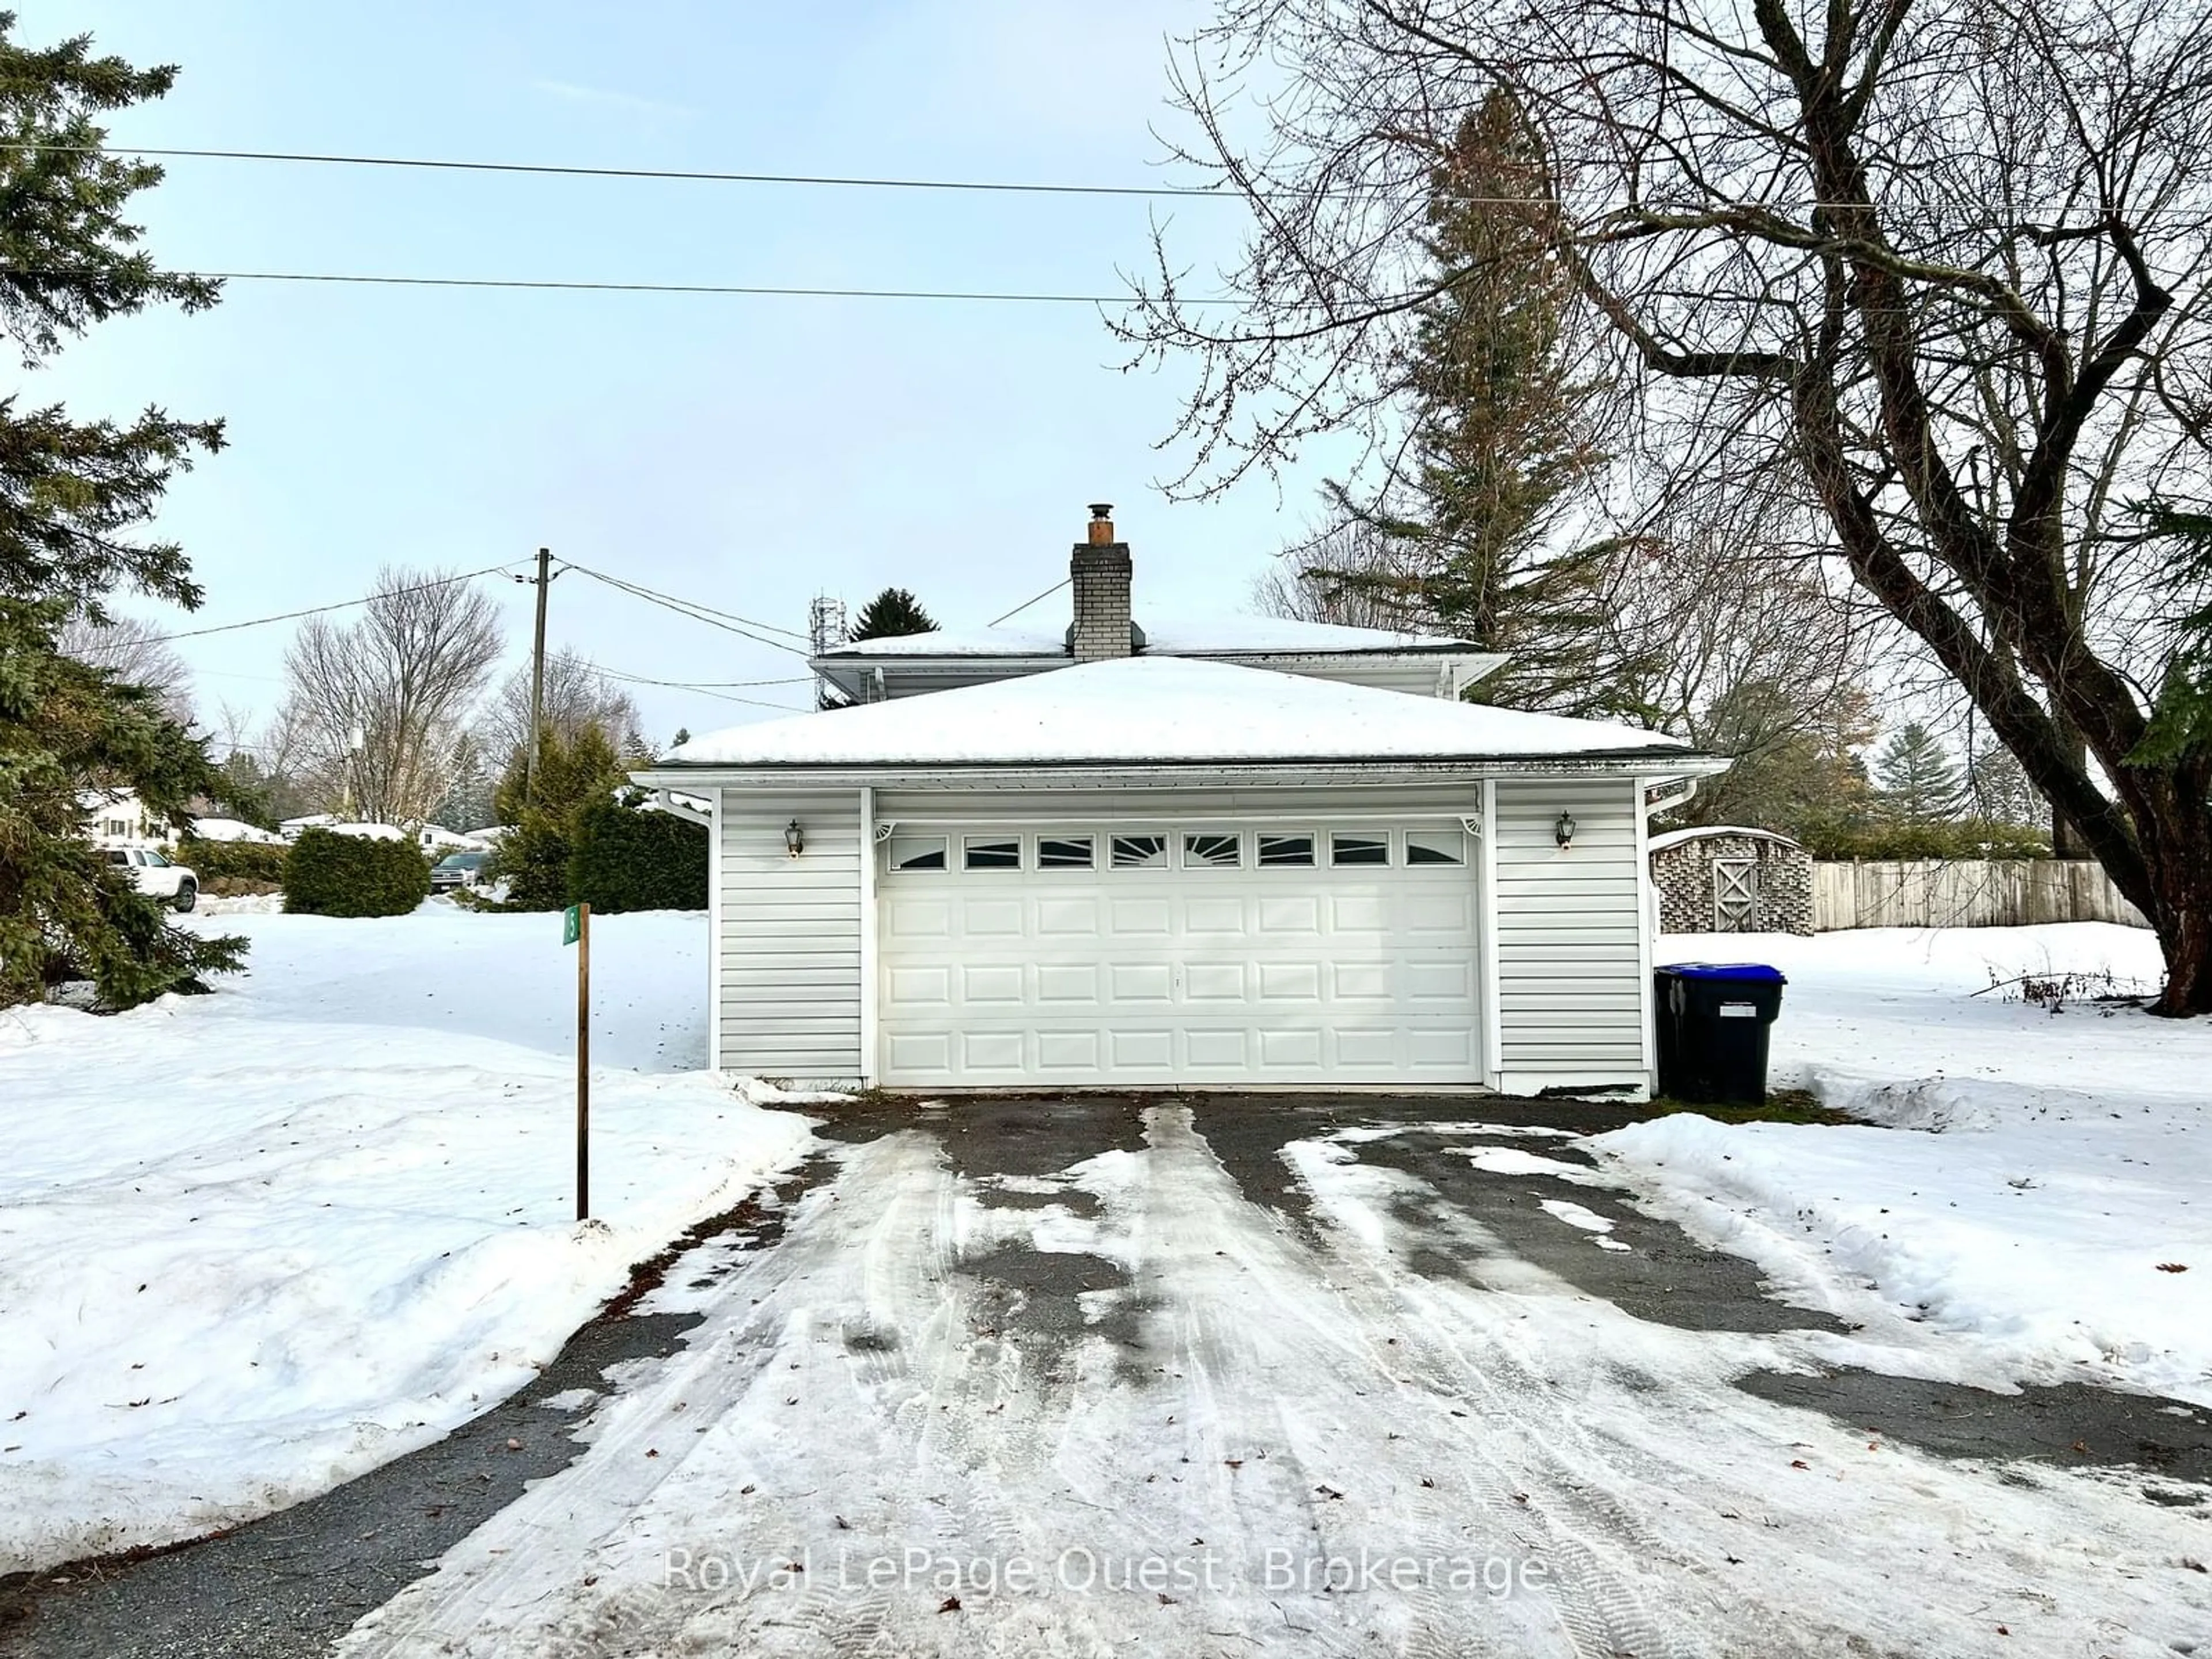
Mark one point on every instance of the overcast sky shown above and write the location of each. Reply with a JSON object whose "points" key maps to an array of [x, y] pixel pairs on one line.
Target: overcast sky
{"points": [[743, 451]]}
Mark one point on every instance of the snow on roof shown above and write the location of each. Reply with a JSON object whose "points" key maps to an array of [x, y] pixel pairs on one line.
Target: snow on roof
{"points": [[235, 830], [1177, 637], [1143, 710], [1660, 843]]}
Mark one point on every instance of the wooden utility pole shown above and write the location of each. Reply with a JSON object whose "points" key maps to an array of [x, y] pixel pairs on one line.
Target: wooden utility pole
{"points": [[543, 580], [583, 1063]]}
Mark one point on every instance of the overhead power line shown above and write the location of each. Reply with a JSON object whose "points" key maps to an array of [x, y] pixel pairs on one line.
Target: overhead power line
{"points": [[837, 181], [708, 689], [725, 685], [728, 622], [696, 605], [2049, 212], [343, 604], [766, 290]]}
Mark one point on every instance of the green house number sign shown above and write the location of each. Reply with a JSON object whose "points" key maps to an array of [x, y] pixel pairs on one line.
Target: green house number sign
{"points": [[572, 925]]}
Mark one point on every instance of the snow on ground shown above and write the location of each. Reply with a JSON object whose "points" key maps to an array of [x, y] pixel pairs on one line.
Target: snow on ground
{"points": [[1246, 1444], [253, 1243], [2039, 1180]]}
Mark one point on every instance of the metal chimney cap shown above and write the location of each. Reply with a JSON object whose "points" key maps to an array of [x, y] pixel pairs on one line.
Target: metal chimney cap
{"points": [[1102, 509]]}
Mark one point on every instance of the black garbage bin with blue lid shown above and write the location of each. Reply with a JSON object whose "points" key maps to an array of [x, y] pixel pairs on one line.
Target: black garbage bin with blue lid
{"points": [[1713, 1020]]}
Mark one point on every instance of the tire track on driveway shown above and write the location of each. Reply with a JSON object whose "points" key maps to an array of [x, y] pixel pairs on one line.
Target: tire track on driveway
{"points": [[977, 1351], [1364, 1342]]}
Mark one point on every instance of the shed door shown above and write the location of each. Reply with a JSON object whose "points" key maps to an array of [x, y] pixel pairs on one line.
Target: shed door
{"points": [[1161, 953], [1736, 895]]}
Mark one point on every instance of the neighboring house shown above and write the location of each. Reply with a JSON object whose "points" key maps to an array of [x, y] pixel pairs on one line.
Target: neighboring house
{"points": [[290, 828], [117, 817], [1727, 880], [430, 837], [369, 831], [1277, 855]]}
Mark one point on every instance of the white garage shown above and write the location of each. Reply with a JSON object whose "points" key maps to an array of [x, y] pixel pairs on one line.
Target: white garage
{"points": [[1159, 873]]}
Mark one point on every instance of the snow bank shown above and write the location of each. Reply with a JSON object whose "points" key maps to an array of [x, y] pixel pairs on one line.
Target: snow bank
{"points": [[253, 1243], [2061, 1172]]}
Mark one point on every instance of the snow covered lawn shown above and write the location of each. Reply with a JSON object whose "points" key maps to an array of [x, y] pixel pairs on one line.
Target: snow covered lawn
{"points": [[2048, 1216], [253, 1243]]}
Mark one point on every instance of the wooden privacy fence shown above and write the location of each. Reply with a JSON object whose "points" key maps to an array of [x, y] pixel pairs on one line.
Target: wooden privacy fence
{"points": [[1966, 893]]}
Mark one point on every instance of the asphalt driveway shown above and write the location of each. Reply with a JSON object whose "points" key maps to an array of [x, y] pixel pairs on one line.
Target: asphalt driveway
{"points": [[1217, 1376]]}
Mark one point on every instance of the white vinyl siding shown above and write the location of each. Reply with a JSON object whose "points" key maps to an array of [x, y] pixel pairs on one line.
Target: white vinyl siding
{"points": [[1570, 996], [1568, 1005], [789, 937]]}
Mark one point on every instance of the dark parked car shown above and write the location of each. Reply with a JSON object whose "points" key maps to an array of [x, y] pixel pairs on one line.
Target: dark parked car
{"points": [[457, 870]]}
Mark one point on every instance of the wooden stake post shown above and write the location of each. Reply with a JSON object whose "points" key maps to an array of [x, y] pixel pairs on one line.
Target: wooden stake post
{"points": [[576, 929]]}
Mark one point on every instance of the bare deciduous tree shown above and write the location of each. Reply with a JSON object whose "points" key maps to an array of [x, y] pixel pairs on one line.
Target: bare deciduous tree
{"points": [[577, 694], [1304, 584], [1929, 280], [137, 654], [381, 704]]}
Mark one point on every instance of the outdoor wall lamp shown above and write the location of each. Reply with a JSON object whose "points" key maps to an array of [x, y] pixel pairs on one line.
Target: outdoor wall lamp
{"points": [[794, 838], [1564, 830]]}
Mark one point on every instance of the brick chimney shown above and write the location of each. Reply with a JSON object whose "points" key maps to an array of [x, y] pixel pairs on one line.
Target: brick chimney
{"points": [[1100, 575]]}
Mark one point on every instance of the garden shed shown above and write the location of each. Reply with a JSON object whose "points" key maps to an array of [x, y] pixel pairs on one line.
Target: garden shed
{"points": [[1729, 879]]}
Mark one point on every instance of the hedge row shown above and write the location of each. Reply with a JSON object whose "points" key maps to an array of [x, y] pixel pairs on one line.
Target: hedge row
{"points": [[626, 858], [241, 860], [327, 874]]}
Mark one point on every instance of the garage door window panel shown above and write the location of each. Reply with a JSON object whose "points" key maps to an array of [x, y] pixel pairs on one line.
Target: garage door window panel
{"points": [[991, 852], [917, 853], [1141, 852], [1286, 851], [1436, 846], [1350, 848], [1212, 849], [1064, 852]]}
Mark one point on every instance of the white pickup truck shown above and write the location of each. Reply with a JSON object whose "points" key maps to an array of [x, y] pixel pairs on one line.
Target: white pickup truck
{"points": [[156, 877]]}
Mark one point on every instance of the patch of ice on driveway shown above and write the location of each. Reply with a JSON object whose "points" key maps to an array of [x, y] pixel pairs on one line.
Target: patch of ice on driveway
{"points": [[1358, 1135], [1512, 1161], [1575, 1215], [1588, 1220]]}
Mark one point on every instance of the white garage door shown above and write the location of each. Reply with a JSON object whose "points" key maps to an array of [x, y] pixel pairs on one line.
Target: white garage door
{"points": [[1166, 953]]}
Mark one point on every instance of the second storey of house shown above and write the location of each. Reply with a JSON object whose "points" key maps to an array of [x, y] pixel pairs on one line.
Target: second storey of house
{"points": [[1103, 622]]}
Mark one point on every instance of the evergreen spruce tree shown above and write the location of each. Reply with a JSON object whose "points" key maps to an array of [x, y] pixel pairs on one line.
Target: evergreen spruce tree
{"points": [[2180, 729], [533, 858], [1504, 444], [892, 612], [1801, 778], [1919, 783], [1998, 790], [468, 800], [72, 496]]}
